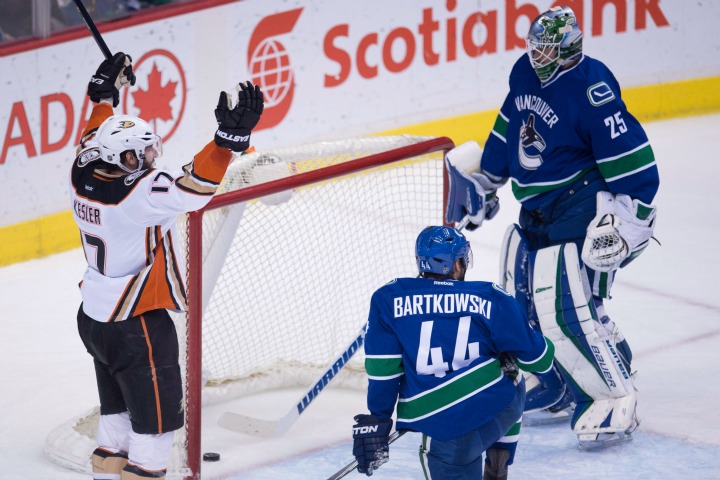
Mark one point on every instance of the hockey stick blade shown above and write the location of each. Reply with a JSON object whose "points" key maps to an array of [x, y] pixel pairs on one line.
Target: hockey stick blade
{"points": [[353, 465], [275, 428]]}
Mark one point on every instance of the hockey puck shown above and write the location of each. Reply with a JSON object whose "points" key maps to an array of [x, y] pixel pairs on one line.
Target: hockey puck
{"points": [[211, 457]]}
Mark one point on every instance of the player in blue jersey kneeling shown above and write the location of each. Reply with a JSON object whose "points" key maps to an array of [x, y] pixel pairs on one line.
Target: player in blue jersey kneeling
{"points": [[447, 352], [584, 172]]}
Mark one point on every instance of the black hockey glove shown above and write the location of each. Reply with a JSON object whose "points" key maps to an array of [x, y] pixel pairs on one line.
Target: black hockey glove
{"points": [[509, 367], [110, 76], [370, 442], [236, 123]]}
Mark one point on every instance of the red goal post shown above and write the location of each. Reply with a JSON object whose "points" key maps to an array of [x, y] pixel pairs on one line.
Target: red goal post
{"points": [[281, 265], [416, 149]]}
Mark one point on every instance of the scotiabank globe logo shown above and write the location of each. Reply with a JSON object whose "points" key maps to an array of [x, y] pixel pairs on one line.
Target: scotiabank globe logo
{"points": [[270, 67]]}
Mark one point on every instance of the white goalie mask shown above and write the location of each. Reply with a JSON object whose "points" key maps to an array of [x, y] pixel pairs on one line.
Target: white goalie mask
{"points": [[121, 133], [553, 41]]}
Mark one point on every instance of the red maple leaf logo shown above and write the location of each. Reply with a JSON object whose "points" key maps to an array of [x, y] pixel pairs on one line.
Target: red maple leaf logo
{"points": [[154, 103]]}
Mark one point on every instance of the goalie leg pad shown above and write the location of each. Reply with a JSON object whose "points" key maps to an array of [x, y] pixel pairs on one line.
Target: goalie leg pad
{"points": [[584, 347], [544, 390], [515, 269]]}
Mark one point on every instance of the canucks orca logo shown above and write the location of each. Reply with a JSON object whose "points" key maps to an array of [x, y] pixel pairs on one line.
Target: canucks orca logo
{"points": [[530, 140]]}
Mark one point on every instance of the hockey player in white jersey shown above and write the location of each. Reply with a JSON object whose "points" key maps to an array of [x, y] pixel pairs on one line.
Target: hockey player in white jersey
{"points": [[445, 352], [584, 172], [126, 211]]}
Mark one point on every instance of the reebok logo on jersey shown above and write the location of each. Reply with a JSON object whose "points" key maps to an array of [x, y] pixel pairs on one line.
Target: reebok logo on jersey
{"points": [[600, 94], [449, 284]]}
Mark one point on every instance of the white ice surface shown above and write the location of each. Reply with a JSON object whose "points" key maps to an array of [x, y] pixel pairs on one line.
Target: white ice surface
{"points": [[667, 303]]}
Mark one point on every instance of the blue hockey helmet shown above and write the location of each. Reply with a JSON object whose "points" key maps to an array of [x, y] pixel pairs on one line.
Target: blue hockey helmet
{"points": [[437, 248], [554, 39]]}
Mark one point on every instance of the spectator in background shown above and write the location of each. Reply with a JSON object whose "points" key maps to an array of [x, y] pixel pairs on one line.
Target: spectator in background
{"points": [[100, 10], [104, 9], [16, 20]]}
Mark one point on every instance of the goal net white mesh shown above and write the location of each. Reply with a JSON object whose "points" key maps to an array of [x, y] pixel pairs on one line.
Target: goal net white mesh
{"points": [[287, 276]]}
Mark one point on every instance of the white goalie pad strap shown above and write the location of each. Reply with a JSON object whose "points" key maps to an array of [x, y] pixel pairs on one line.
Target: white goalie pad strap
{"points": [[583, 347]]}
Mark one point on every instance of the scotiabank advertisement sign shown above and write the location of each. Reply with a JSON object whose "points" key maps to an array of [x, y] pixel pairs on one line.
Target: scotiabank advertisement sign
{"points": [[329, 69]]}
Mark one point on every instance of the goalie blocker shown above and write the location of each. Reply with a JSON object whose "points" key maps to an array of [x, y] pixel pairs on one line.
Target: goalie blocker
{"points": [[472, 194]]}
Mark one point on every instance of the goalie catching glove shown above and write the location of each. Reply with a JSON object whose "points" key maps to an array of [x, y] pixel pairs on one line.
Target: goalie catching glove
{"points": [[619, 232], [236, 122], [371, 442], [472, 194], [110, 77]]}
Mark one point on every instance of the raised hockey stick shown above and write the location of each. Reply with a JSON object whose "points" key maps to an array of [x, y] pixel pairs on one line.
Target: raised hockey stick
{"points": [[353, 465], [275, 428], [93, 29]]}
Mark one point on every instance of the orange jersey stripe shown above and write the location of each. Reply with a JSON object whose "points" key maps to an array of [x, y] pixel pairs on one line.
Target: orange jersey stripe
{"points": [[154, 374], [156, 291], [211, 162], [100, 113]]}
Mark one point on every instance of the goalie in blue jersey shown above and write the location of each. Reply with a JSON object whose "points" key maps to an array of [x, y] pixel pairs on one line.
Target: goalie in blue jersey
{"points": [[584, 172], [447, 353]]}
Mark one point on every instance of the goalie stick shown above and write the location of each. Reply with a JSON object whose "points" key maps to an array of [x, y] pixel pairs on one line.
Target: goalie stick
{"points": [[275, 428], [353, 465]]}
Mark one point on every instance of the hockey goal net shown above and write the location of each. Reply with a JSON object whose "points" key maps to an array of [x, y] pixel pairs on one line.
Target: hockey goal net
{"points": [[290, 250]]}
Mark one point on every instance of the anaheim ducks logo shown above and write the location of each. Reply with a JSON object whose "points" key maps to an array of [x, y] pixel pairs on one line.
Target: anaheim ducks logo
{"points": [[531, 145], [125, 124]]}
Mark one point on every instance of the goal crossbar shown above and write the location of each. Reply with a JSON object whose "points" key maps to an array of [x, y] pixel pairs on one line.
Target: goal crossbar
{"points": [[195, 246]]}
